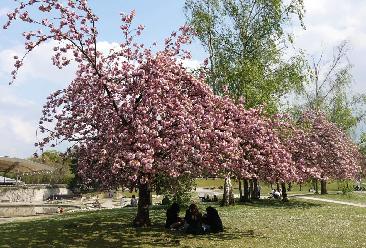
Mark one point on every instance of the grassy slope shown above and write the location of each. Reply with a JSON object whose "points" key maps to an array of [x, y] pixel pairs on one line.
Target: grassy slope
{"points": [[264, 224]]}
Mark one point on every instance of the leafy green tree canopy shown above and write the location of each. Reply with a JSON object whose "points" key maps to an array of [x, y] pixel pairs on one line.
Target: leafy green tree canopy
{"points": [[246, 41]]}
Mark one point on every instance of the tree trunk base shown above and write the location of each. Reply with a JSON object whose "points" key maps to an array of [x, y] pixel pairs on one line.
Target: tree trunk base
{"points": [[246, 196], [256, 193], [142, 218], [284, 192], [323, 187], [141, 221], [228, 197]]}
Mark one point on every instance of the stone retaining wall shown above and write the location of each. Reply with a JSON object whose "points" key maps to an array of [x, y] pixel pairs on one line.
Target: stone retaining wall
{"points": [[34, 193]]}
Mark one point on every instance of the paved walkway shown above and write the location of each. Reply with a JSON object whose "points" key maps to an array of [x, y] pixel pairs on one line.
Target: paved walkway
{"points": [[332, 201]]}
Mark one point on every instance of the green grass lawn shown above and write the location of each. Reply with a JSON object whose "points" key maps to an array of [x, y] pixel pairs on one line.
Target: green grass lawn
{"points": [[267, 223], [353, 197], [265, 187]]}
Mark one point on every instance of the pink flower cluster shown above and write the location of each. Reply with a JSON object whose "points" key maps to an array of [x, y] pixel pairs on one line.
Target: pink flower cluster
{"points": [[319, 148]]}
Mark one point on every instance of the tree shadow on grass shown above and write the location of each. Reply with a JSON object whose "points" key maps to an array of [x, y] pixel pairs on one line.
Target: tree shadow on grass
{"points": [[274, 203], [109, 228], [228, 234]]}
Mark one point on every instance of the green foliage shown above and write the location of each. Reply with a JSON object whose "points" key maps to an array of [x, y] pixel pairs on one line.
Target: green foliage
{"points": [[245, 41], [76, 183], [347, 187], [178, 189], [61, 173]]}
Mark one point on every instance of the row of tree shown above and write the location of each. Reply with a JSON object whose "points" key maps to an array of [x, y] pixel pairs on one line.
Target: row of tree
{"points": [[136, 113], [247, 42]]}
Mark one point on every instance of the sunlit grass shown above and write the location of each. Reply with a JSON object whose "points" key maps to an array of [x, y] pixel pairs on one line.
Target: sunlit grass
{"points": [[354, 197]]}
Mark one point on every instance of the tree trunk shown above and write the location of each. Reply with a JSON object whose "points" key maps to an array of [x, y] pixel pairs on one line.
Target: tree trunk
{"points": [[251, 189], [300, 186], [255, 189], [240, 191], [315, 182], [284, 192], [246, 190], [150, 198], [142, 218], [289, 187], [278, 187], [228, 197], [323, 187]]}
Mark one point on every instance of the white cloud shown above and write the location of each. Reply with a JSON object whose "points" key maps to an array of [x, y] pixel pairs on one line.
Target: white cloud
{"points": [[12, 100], [105, 46], [329, 22], [37, 66], [23, 130], [191, 64], [17, 136]]}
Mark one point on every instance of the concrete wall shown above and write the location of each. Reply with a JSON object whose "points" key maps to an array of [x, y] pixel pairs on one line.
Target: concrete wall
{"points": [[34, 193]]}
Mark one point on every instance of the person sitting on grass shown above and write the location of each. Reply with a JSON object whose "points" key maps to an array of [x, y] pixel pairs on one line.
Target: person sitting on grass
{"points": [[275, 194], [193, 220], [212, 221], [173, 221]]}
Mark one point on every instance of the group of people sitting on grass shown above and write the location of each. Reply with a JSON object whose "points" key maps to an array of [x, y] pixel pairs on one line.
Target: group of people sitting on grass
{"points": [[193, 222], [276, 194], [208, 199]]}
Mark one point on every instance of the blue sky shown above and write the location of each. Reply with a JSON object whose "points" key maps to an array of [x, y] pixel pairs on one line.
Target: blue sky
{"points": [[328, 23]]}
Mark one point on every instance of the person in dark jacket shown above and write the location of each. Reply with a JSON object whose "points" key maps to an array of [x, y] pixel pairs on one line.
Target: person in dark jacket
{"points": [[193, 220], [212, 221], [172, 217]]}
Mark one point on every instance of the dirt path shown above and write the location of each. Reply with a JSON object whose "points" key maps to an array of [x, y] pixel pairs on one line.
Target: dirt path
{"points": [[332, 201]]}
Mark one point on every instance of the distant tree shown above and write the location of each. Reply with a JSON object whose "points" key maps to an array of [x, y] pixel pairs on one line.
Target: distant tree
{"points": [[178, 189], [256, 152], [61, 164], [320, 150], [245, 42], [329, 90]]}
